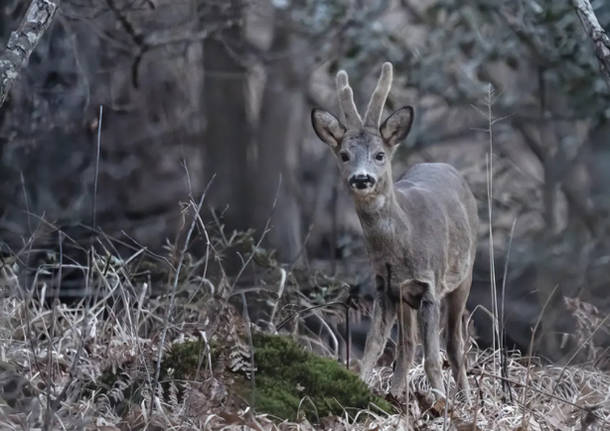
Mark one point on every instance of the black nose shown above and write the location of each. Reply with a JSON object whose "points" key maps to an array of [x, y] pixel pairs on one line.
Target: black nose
{"points": [[361, 181]]}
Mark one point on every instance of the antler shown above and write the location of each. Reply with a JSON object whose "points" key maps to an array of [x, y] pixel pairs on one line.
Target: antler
{"points": [[375, 108], [349, 112]]}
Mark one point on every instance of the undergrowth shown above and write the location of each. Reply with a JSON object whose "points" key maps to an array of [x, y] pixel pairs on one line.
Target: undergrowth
{"points": [[95, 363]]}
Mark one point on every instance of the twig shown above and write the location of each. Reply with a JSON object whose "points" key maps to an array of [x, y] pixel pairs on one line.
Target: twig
{"points": [[578, 349], [492, 268], [531, 347], [50, 402], [31, 235], [97, 165], [348, 334], [504, 363], [170, 306], [402, 345], [266, 230], [302, 250], [23, 41], [136, 37], [26, 201], [315, 307]]}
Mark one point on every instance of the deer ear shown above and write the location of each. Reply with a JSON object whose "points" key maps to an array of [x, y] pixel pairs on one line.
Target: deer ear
{"points": [[327, 127], [396, 127]]}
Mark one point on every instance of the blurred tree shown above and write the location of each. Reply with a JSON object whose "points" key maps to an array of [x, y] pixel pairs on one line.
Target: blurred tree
{"points": [[279, 135], [227, 132]]}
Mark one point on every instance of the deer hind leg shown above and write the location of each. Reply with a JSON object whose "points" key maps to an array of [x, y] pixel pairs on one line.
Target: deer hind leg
{"points": [[456, 304], [382, 321], [405, 348], [428, 317]]}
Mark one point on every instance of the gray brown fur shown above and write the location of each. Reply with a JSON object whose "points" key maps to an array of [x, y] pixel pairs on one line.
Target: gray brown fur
{"points": [[420, 232]]}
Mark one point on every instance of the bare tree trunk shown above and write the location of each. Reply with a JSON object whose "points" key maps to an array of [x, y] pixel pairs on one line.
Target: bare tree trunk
{"points": [[23, 41], [281, 130], [227, 128], [598, 35]]}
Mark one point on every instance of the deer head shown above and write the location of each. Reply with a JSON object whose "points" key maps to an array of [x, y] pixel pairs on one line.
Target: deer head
{"points": [[364, 148]]}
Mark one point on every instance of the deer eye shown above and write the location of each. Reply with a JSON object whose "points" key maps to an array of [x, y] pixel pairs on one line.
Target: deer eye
{"points": [[344, 156], [380, 156]]}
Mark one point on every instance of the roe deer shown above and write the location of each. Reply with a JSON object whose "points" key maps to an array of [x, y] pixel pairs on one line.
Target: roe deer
{"points": [[420, 233]]}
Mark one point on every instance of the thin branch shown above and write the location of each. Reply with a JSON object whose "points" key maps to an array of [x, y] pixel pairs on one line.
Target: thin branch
{"points": [[599, 37], [23, 41], [136, 37], [97, 166]]}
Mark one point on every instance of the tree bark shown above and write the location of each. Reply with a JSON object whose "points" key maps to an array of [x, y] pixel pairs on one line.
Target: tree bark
{"points": [[23, 41], [280, 133], [596, 33]]}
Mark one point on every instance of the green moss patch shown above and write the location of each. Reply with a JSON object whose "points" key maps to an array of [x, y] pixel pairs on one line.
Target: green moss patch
{"points": [[186, 359], [291, 381]]}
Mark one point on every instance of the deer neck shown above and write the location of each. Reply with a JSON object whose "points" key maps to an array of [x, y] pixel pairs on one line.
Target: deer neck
{"points": [[380, 214]]}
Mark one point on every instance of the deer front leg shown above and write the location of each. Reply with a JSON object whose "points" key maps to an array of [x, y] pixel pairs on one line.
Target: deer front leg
{"points": [[381, 325], [428, 317], [405, 348]]}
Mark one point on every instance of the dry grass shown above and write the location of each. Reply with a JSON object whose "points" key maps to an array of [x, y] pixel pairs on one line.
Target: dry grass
{"points": [[53, 356]]}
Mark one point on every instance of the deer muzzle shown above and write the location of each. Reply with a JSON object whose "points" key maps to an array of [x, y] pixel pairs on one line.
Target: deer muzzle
{"points": [[361, 181]]}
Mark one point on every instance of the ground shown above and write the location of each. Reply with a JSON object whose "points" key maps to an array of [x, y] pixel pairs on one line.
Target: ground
{"points": [[93, 365]]}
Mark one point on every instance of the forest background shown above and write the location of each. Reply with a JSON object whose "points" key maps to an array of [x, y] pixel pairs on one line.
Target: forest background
{"points": [[198, 89]]}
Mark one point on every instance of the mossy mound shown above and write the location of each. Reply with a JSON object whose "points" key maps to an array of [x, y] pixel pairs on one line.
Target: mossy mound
{"points": [[287, 376], [290, 382]]}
